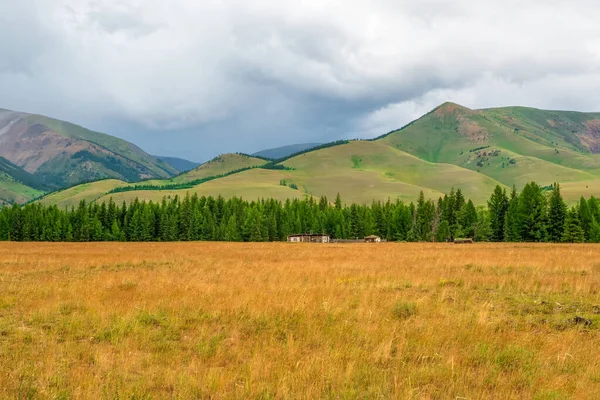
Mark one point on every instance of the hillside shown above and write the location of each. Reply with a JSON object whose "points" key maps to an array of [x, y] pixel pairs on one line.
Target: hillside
{"points": [[179, 164], [452, 146], [220, 165], [62, 154], [285, 151], [513, 145], [17, 185], [12, 191]]}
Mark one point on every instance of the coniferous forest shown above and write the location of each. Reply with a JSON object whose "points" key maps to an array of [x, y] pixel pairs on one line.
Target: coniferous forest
{"points": [[536, 214]]}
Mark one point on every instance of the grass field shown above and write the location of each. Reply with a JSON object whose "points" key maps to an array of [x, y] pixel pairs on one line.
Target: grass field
{"points": [[220, 165], [89, 192], [221, 320], [12, 191]]}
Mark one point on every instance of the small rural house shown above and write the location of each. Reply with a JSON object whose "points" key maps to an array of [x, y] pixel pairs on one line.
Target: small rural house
{"points": [[372, 239], [463, 241], [309, 238]]}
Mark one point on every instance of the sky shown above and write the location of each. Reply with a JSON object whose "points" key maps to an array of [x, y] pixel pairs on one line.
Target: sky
{"points": [[196, 78]]}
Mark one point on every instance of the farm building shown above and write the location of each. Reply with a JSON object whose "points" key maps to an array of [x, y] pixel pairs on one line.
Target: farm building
{"points": [[463, 241], [309, 238], [372, 239]]}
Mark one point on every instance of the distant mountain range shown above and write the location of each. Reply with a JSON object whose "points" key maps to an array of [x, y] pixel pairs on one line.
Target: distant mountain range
{"points": [[284, 151], [451, 146], [50, 154], [179, 163]]}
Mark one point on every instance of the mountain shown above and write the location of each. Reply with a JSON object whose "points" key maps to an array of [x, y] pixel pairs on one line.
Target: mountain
{"points": [[62, 154], [451, 146], [179, 164], [17, 185], [218, 166], [285, 151]]}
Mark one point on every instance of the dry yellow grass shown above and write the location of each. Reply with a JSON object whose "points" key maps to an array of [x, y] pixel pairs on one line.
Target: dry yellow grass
{"points": [[224, 320]]}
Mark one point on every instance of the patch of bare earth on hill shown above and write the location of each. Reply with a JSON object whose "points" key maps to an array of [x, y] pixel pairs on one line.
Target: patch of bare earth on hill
{"points": [[30, 146], [466, 126], [590, 138]]}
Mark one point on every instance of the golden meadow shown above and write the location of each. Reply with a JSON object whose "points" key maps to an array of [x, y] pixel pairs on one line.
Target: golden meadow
{"points": [[277, 320]]}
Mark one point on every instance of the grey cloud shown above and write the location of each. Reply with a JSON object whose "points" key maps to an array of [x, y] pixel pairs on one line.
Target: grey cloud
{"points": [[195, 78]]}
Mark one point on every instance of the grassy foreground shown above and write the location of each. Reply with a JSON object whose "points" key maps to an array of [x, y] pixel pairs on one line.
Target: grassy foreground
{"points": [[277, 320]]}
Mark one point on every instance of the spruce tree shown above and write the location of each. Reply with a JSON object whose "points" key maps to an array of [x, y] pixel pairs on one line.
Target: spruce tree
{"points": [[594, 207], [585, 217], [594, 232], [468, 219], [4, 227], [498, 206], [511, 219], [338, 202], [425, 214], [482, 229], [573, 231], [232, 233], [532, 213], [557, 211], [443, 232]]}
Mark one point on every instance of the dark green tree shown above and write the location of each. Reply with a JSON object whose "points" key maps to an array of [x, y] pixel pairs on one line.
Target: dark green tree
{"points": [[512, 228], [557, 212], [443, 232], [532, 213], [573, 231], [498, 206]]}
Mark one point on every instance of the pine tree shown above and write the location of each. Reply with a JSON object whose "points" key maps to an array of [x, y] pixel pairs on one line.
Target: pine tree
{"points": [[425, 214], [232, 233], [338, 202], [468, 219], [594, 232], [573, 231], [585, 217], [482, 228], [115, 232], [4, 227], [557, 211], [594, 207], [498, 206], [532, 213], [443, 232], [511, 219]]}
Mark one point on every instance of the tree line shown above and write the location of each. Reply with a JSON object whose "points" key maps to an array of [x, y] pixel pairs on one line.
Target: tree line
{"points": [[533, 215]]}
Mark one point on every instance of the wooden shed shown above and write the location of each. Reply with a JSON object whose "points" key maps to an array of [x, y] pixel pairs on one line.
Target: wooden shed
{"points": [[463, 241]]}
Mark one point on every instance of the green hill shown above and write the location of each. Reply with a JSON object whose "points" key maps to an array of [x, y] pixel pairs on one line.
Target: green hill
{"points": [[222, 164], [17, 185], [179, 164], [452, 146], [285, 151], [47, 154]]}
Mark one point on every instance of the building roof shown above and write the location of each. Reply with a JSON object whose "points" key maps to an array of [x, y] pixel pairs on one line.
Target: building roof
{"points": [[309, 234]]}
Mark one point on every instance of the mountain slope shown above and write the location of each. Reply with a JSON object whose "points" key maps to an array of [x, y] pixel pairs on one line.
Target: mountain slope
{"points": [[89, 192], [452, 146], [17, 185], [179, 164], [220, 165], [63, 154], [508, 144], [285, 151], [12, 191]]}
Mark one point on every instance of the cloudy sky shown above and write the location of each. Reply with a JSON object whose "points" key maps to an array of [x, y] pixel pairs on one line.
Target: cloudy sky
{"points": [[194, 78]]}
